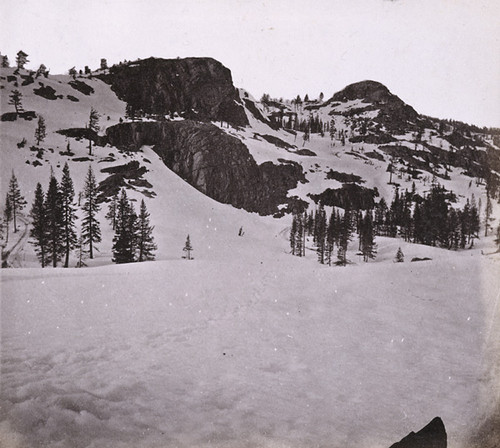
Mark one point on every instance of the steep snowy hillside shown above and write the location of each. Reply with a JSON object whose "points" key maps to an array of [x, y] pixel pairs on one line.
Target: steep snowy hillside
{"points": [[246, 345]]}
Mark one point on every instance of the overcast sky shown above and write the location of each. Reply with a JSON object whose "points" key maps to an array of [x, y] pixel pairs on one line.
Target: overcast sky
{"points": [[440, 56]]}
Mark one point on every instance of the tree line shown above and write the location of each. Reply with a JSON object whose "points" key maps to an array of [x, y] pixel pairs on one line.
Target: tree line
{"points": [[429, 219], [54, 216]]}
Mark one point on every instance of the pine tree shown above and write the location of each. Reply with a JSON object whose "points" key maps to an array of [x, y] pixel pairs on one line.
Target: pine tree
{"points": [[400, 258], [93, 127], [368, 246], [330, 238], [39, 230], [7, 216], [91, 230], [15, 99], [124, 241], [293, 233], [53, 209], [344, 238], [5, 61], [16, 200], [320, 234], [81, 252], [332, 130], [487, 213], [497, 238], [112, 209], [145, 240], [21, 59], [68, 214], [40, 131], [188, 248]]}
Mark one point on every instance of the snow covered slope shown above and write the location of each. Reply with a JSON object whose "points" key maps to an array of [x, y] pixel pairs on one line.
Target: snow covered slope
{"points": [[245, 345]]}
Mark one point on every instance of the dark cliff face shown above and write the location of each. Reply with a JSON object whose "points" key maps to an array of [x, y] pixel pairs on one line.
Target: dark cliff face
{"points": [[215, 163], [198, 88], [395, 114]]}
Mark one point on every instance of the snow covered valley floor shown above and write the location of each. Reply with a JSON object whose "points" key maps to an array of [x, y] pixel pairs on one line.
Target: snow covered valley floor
{"points": [[274, 351]]}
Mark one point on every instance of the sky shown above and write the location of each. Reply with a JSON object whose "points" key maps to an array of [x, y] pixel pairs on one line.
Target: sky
{"points": [[440, 56]]}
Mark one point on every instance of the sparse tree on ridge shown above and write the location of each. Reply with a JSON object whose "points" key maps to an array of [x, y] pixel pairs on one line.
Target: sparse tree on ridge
{"points": [[188, 248], [68, 214], [5, 61], [145, 241], [15, 99], [21, 59], [16, 199], [39, 227], [40, 131], [91, 230], [72, 72]]}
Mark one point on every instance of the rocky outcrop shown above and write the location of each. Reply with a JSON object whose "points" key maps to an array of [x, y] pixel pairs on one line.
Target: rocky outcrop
{"points": [[431, 436], [394, 113], [197, 88], [212, 161]]}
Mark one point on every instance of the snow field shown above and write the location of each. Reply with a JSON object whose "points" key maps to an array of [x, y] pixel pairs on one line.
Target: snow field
{"points": [[246, 345], [247, 353]]}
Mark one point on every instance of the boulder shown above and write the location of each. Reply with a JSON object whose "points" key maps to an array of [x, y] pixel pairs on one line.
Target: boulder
{"points": [[431, 436]]}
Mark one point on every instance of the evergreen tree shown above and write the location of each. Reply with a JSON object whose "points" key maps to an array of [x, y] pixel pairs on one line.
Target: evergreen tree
{"points": [[497, 238], [21, 59], [487, 213], [93, 127], [293, 234], [188, 248], [81, 252], [40, 131], [16, 199], [145, 240], [330, 238], [320, 234], [332, 130], [54, 226], [368, 246], [68, 214], [39, 230], [300, 236], [344, 237], [91, 230], [5, 61], [112, 209], [124, 241], [400, 258], [7, 216], [15, 99]]}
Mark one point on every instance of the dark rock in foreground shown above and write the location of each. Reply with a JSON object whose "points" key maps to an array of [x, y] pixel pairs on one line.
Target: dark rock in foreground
{"points": [[431, 436]]}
